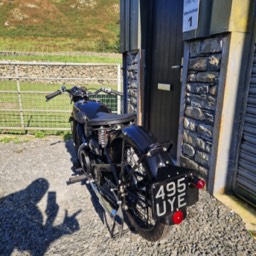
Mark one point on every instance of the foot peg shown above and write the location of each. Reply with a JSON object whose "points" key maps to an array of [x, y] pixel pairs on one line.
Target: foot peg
{"points": [[76, 179]]}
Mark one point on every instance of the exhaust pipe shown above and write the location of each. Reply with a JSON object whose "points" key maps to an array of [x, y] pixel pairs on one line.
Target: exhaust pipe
{"points": [[113, 213], [103, 202]]}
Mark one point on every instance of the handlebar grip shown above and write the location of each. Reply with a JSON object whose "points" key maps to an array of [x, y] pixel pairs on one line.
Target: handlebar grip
{"points": [[52, 95], [110, 91]]}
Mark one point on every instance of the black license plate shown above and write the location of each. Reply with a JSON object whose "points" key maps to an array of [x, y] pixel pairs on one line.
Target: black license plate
{"points": [[169, 196]]}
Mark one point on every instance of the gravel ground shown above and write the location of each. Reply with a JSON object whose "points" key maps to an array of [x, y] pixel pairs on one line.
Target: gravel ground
{"points": [[41, 215]]}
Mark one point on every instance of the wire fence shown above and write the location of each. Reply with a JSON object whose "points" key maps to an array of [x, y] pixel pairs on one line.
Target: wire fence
{"points": [[22, 97]]}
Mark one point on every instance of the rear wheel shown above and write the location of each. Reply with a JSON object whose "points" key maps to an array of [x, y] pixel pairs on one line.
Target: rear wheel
{"points": [[139, 199]]}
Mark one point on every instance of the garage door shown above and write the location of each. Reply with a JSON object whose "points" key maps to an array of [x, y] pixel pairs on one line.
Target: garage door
{"points": [[246, 175]]}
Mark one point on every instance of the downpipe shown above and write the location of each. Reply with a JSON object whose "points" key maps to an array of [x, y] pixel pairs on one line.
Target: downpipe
{"points": [[115, 214], [103, 202], [112, 212]]}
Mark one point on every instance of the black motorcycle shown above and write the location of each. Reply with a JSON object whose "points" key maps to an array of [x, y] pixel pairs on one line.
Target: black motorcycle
{"points": [[132, 174]]}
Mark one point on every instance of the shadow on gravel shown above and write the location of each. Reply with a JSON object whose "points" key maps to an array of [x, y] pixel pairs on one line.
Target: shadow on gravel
{"points": [[21, 221], [94, 199], [71, 150], [95, 202]]}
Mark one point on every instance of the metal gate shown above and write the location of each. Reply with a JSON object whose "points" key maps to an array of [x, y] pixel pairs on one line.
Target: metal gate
{"points": [[23, 86], [245, 183]]}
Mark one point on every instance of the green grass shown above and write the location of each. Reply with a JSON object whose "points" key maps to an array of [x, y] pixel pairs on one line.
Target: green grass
{"points": [[40, 87], [59, 58], [59, 25], [31, 135], [74, 59], [37, 113], [16, 140], [39, 134]]}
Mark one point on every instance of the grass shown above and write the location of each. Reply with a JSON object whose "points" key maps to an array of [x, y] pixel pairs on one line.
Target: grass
{"points": [[22, 138], [58, 25], [14, 139], [61, 44], [70, 58], [40, 87], [36, 113], [54, 26], [39, 134]]}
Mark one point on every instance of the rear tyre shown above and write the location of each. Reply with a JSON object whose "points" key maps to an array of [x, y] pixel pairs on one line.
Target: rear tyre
{"points": [[139, 198]]}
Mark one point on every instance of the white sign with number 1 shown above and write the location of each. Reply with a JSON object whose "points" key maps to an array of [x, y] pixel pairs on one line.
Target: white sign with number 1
{"points": [[190, 15]]}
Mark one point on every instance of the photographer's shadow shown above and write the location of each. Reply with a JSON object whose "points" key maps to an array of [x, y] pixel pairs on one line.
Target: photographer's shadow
{"points": [[21, 221]]}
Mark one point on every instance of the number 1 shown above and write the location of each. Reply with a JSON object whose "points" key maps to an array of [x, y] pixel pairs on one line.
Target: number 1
{"points": [[190, 21]]}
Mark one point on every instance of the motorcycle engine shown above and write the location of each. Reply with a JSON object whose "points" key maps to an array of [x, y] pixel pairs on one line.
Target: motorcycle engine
{"points": [[95, 147]]}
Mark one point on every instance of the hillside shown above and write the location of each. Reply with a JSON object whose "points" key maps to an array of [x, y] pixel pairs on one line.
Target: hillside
{"points": [[56, 25]]}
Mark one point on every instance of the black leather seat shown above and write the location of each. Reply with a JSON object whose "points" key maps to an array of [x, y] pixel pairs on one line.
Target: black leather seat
{"points": [[109, 119]]}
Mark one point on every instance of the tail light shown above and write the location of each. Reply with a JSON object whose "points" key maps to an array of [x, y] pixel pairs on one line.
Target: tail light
{"points": [[178, 217], [198, 183]]}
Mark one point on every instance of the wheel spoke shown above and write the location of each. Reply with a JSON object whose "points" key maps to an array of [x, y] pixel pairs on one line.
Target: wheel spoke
{"points": [[139, 190]]}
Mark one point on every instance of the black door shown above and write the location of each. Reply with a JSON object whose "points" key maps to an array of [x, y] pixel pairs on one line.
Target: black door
{"points": [[164, 50]]}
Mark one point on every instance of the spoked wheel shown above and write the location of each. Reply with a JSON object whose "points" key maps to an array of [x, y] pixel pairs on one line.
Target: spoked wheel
{"points": [[139, 198]]}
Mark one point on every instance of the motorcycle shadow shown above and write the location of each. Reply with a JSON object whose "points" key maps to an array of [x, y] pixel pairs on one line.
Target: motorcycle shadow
{"points": [[114, 228], [106, 220]]}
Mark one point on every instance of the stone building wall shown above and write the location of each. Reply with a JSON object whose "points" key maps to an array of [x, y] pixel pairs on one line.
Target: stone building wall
{"points": [[102, 75], [201, 95], [132, 76]]}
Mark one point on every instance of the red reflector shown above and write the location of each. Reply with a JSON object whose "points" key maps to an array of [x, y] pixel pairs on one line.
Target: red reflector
{"points": [[178, 217], [200, 184]]}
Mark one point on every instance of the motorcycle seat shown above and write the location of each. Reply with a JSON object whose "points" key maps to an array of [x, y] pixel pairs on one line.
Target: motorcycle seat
{"points": [[110, 119]]}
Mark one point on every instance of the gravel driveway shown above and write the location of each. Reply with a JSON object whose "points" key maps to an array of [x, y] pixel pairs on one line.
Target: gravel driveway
{"points": [[41, 215]]}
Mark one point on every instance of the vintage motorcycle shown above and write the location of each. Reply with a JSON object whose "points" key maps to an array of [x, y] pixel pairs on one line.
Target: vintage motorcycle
{"points": [[133, 175]]}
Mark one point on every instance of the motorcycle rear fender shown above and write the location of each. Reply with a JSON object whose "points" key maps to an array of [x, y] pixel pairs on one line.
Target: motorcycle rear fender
{"points": [[149, 149], [159, 162]]}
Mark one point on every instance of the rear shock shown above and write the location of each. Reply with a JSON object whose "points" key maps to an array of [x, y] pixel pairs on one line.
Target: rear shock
{"points": [[102, 137]]}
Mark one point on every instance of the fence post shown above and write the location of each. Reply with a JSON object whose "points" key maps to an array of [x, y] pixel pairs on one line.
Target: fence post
{"points": [[19, 96], [119, 105]]}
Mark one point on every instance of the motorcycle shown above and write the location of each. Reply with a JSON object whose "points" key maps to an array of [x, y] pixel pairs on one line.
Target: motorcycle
{"points": [[132, 174]]}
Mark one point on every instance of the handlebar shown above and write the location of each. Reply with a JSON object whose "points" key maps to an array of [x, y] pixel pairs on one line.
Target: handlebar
{"points": [[82, 92], [106, 90], [52, 95]]}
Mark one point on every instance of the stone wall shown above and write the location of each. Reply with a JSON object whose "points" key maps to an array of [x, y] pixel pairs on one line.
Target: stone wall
{"points": [[102, 75], [201, 95], [132, 69]]}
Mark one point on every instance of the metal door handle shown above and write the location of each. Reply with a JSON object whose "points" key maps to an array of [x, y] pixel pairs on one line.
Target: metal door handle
{"points": [[177, 66]]}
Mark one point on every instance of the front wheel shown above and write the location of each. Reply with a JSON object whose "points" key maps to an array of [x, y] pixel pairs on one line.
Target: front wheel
{"points": [[138, 198]]}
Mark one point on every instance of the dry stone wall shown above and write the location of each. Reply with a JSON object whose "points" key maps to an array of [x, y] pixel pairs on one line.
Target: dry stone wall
{"points": [[201, 95], [103, 75], [132, 75]]}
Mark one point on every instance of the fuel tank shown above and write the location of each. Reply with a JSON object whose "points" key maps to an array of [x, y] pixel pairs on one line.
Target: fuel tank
{"points": [[86, 110]]}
